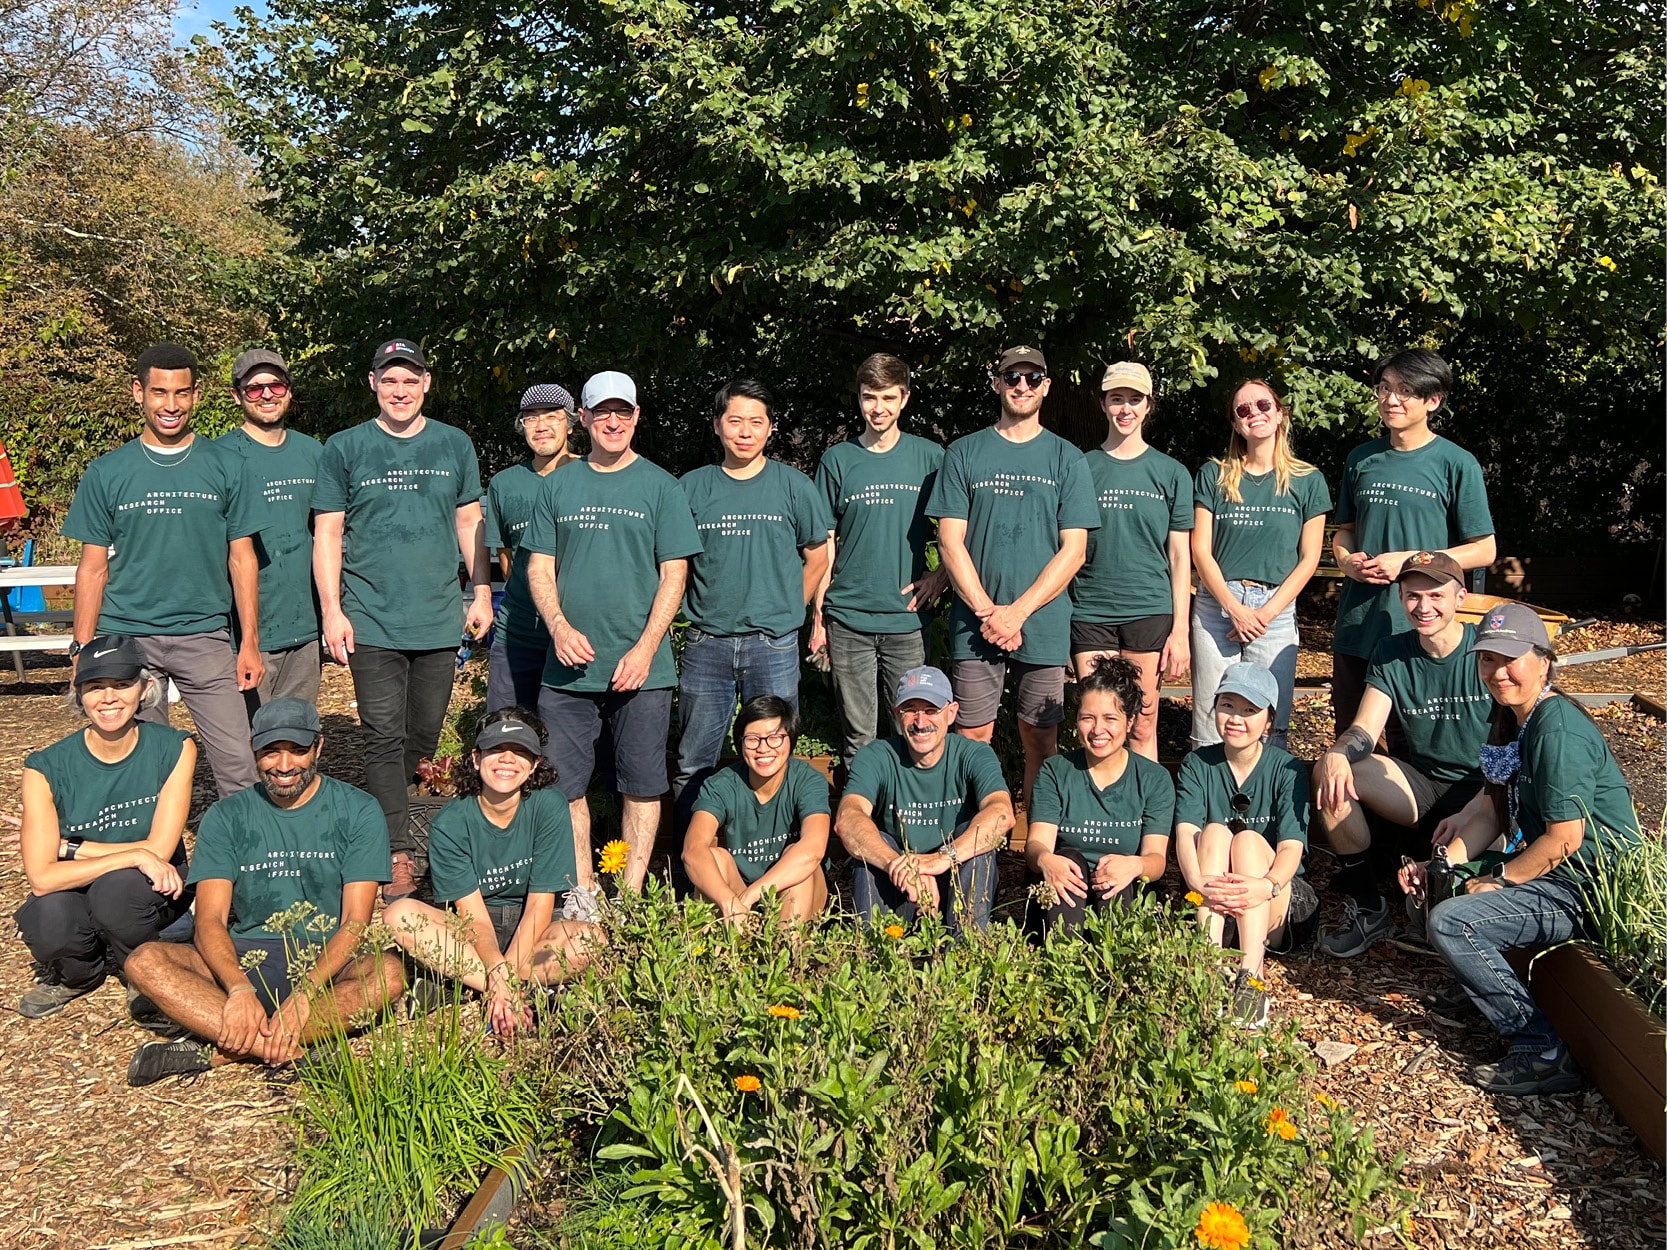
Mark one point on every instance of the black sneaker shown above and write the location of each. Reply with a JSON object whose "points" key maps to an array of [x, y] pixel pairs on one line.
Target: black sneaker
{"points": [[46, 999], [147, 1015], [1250, 999], [1453, 1007], [1521, 1073], [155, 1060]]}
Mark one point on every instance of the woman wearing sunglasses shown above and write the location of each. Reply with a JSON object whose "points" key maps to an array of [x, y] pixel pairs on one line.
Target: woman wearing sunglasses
{"points": [[770, 809], [1258, 530], [1241, 829]]}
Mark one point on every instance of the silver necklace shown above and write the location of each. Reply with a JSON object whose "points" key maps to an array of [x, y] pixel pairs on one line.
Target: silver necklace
{"points": [[170, 462]]}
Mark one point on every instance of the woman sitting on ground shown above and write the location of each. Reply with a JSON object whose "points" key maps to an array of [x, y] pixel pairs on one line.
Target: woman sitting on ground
{"points": [[771, 810], [500, 854], [103, 815], [1241, 828], [1558, 797], [1100, 815]]}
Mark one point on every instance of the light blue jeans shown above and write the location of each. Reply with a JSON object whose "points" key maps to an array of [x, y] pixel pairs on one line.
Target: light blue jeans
{"points": [[1214, 650]]}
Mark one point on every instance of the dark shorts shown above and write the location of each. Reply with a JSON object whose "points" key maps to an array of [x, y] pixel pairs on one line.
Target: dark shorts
{"points": [[1437, 800], [1149, 633], [979, 683], [506, 918], [639, 721], [270, 975]]}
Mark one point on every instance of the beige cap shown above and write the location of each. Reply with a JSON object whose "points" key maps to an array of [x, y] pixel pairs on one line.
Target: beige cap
{"points": [[1127, 373]]}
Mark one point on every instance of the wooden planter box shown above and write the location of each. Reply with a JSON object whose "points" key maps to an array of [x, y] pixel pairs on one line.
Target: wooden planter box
{"points": [[1612, 1035]]}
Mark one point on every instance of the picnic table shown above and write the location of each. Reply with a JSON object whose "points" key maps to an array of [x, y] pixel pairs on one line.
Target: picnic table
{"points": [[33, 575]]}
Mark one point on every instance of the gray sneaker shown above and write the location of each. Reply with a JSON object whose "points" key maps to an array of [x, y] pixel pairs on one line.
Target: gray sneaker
{"points": [[1250, 1000], [40, 1001], [155, 1060], [1360, 928], [1524, 1074]]}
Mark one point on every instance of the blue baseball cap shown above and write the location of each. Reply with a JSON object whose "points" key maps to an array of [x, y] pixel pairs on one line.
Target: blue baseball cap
{"points": [[1250, 681], [926, 683]]}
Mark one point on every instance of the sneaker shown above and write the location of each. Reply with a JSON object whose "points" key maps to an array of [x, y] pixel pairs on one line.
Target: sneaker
{"points": [[155, 1060], [1360, 928], [404, 883], [1523, 1072], [1250, 1000], [47, 999], [1417, 932], [147, 1015], [427, 995], [1451, 1006]]}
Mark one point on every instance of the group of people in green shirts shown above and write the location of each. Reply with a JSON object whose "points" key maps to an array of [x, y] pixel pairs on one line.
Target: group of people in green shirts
{"points": [[222, 565]]}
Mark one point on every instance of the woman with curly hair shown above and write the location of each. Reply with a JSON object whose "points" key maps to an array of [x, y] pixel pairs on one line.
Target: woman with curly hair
{"points": [[1100, 815], [500, 854]]}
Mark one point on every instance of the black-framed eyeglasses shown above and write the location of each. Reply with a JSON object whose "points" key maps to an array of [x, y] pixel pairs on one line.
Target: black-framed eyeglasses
{"points": [[1263, 406], [1030, 377], [1241, 809], [753, 742], [260, 390]]}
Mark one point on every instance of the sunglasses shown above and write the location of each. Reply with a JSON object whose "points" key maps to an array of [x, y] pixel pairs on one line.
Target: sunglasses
{"points": [[260, 390], [1263, 406], [1241, 809], [1032, 379]]}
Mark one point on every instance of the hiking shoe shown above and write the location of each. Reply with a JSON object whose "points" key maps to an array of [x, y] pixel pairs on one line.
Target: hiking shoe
{"points": [[404, 882], [1250, 999], [147, 1015], [155, 1060], [1451, 1006], [1360, 928], [46, 999], [427, 996], [1523, 1072]]}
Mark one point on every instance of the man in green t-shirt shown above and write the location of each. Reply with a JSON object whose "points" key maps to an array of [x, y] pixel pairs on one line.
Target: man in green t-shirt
{"points": [[1429, 680], [764, 548], [873, 607], [610, 540], [520, 642], [167, 548], [294, 859], [1408, 491], [925, 812], [397, 501], [280, 468], [1014, 504]]}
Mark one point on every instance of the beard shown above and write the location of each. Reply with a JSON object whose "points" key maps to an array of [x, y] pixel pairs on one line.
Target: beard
{"points": [[288, 787]]}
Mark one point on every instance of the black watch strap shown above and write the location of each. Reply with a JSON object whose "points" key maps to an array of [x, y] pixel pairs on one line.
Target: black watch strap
{"points": [[74, 648]]}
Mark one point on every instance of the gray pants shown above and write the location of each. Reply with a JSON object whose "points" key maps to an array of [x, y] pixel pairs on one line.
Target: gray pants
{"points": [[294, 673], [204, 667], [866, 671]]}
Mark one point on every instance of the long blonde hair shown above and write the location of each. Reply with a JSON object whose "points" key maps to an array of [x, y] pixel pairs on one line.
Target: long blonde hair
{"points": [[1285, 462]]}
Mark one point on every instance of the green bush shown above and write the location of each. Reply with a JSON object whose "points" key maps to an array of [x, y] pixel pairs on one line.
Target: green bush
{"points": [[838, 1086], [1626, 897]]}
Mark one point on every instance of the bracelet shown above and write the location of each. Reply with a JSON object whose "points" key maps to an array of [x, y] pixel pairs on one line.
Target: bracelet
{"points": [[245, 988], [954, 856]]}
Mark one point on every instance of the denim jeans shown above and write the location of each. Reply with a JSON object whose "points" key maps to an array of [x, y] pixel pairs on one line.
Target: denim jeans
{"points": [[514, 673], [964, 905], [867, 669], [718, 670], [402, 705], [1213, 651], [1473, 931]]}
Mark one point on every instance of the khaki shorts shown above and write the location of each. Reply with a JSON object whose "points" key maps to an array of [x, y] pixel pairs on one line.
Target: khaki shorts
{"points": [[979, 684]]}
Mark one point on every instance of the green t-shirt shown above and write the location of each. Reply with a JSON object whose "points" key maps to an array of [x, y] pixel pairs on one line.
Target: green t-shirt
{"points": [[755, 834], [609, 533], [99, 802], [749, 577], [1095, 822], [400, 554], [169, 521], [1444, 708], [509, 510], [1015, 499], [279, 482], [1256, 540], [929, 803], [1126, 574], [535, 855], [1277, 789], [1569, 773], [276, 857], [1424, 500], [878, 502]]}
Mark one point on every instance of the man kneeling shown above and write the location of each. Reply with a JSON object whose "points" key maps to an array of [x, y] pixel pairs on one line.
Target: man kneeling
{"points": [[295, 838]]}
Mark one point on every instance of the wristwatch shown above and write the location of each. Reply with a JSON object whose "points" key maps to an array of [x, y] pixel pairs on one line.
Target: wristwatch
{"points": [[74, 648]]}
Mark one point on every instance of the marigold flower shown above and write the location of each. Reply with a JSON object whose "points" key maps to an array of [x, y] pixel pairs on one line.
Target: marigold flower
{"points": [[1279, 1125], [748, 1084], [614, 855], [1256, 983], [783, 1012], [1245, 1087], [894, 930], [1326, 1101], [1221, 1227], [1195, 898]]}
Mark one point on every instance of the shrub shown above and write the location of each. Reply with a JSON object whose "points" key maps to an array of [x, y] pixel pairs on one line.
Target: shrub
{"points": [[1626, 898]]}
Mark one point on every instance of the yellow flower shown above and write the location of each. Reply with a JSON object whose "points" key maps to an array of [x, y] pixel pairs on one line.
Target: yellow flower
{"points": [[1195, 898], [614, 855], [748, 1084], [1413, 87], [1245, 1087], [1326, 1101], [1354, 143], [894, 930], [781, 1012], [966, 119], [1279, 1125], [1257, 984], [1266, 77], [1221, 1227], [1607, 262]]}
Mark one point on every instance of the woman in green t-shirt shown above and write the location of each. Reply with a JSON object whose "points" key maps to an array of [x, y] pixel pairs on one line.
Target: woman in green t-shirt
{"points": [[1258, 529], [103, 814], [771, 810], [500, 854], [1558, 800]]}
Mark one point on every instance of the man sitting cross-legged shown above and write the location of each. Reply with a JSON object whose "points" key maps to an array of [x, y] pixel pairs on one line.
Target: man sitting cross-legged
{"points": [[296, 837]]}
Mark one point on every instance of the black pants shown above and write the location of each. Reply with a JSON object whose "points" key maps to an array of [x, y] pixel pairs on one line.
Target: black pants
{"points": [[402, 705], [79, 936], [1070, 916]]}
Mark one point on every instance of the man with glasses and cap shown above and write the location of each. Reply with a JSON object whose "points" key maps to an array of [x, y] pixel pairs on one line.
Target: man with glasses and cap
{"points": [[1014, 504], [267, 865], [280, 468], [167, 532], [520, 643], [610, 540], [397, 501]]}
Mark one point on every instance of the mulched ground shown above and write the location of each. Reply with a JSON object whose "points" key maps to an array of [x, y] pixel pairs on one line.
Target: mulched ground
{"points": [[86, 1161]]}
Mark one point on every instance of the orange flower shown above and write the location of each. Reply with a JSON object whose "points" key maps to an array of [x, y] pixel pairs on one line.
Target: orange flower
{"points": [[748, 1084], [1245, 1087], [1195, 898], [1280, 1126], [781, 1012], [894, 930], [614, 855], [1221, 1227]]}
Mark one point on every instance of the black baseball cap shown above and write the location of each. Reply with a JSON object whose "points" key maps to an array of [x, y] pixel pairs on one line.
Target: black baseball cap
{"points": [[509, 733], [398, 351], [284, 720], [257, 358], [109, 657]]}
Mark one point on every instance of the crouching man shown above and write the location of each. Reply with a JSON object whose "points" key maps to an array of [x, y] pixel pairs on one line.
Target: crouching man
{"points": [[295, 838]]}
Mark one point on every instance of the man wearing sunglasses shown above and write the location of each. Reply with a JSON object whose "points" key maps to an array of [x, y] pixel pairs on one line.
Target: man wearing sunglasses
{"points": [[1014, 504], [280, 468]]}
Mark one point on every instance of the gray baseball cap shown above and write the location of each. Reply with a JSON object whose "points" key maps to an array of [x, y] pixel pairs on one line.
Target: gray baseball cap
{"points": [[1511, 629], [284, 720], [1250, 681], [257, 358], [926, 683], [610, 384]]}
